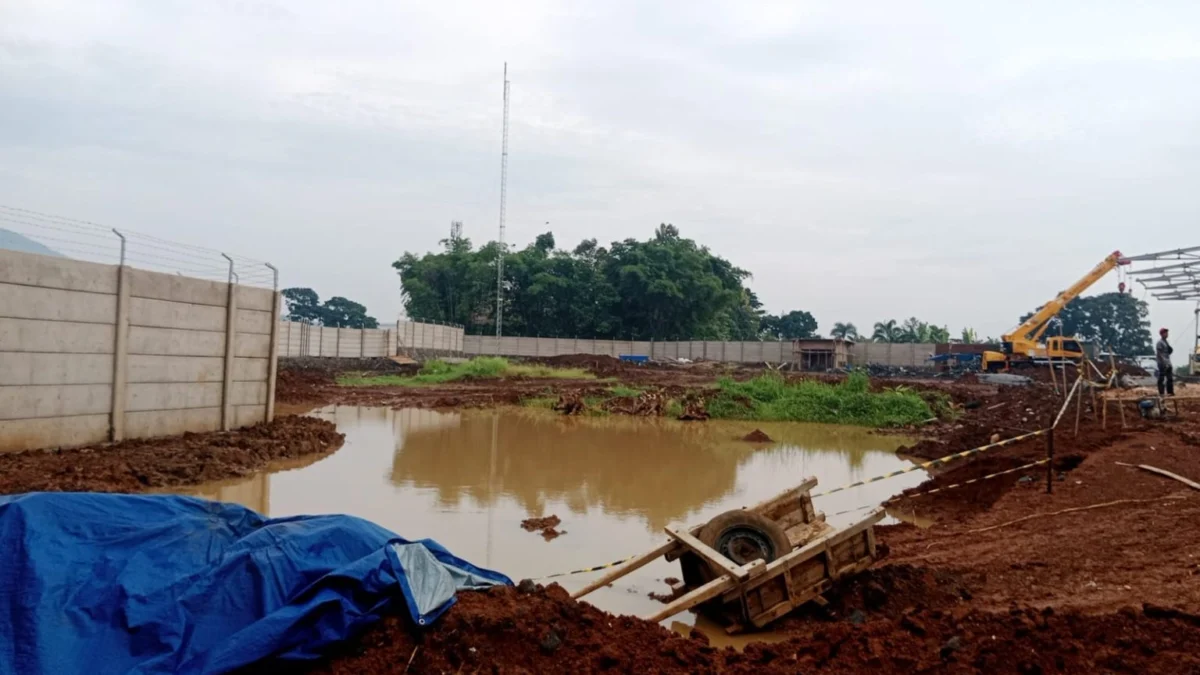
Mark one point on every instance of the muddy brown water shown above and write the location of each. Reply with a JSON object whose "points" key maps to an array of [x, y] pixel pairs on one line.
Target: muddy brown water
{"points": [[468, 478]]}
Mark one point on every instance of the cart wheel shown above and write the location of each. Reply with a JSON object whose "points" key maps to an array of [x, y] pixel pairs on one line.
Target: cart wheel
{"points": [[741, 536]]}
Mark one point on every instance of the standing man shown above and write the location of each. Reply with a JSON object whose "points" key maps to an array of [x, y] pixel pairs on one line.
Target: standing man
{"points": [[1162, 354]]}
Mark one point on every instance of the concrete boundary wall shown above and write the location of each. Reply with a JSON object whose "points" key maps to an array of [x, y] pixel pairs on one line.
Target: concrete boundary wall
{"points": [[863, 353], [407, 337], [92, 353]]}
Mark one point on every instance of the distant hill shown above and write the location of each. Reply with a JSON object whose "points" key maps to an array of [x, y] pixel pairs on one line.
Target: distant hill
{"points": [[18, 242]]}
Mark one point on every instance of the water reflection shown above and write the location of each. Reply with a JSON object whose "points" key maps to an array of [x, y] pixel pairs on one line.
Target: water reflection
{"points": [[655, 469], [468, 478]]}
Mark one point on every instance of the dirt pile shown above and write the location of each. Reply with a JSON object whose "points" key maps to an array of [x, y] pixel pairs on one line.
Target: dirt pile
{"points": [[542, 631], [757, 436], [546, 525], [147, 464]]}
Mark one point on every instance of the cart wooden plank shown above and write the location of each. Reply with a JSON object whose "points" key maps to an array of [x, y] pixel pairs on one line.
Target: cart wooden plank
{"points": [[708, 553], [635, 564]]}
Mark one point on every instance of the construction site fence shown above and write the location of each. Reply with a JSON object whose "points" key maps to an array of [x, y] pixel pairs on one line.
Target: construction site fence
{"points": [[755, 351], [409, 338], [94, 352]]}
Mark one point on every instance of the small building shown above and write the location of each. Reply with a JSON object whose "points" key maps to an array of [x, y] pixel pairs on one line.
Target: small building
{"points": [[819, 354]]}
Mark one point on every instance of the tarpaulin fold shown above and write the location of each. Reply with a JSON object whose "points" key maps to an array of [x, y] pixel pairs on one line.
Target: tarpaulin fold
{"points": [[102, 583]]}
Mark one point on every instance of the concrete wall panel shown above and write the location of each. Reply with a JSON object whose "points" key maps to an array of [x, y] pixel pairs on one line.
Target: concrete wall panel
{"points": [[19, 368], [54, 400], [173, 396], [175, 342], [249, 393], [247, 415], [24, 335], [31, 302], [166, 314], [253, 321], [250, 345], [159, 286], [149, 424], [250, 369], [197, 369], [259, 299], [50, 272], [52, 432]]}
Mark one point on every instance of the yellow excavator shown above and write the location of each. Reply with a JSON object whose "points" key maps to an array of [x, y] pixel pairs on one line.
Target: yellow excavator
{"points": [[1022, 346]]}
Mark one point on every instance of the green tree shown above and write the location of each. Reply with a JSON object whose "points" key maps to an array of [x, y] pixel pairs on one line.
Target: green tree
{"points": [[1117, 321], [303, 305], [667, 287], [886, 331], [969, 336], [845, 331], [342, 313], [794, 325]]}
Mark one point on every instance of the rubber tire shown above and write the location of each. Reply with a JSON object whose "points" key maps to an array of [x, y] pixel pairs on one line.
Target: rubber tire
{"points": [[697, 571]]}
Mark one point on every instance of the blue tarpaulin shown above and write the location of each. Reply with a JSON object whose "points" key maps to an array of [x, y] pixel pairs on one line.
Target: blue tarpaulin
{"points": [[99, 583]]}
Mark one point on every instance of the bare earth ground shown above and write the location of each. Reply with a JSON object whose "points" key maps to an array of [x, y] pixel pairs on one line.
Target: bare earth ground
{"points": [[1008, 579]]}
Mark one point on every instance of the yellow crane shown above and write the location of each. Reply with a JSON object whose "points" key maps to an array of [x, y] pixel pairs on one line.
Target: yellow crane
{"points": [[1022, 346]]}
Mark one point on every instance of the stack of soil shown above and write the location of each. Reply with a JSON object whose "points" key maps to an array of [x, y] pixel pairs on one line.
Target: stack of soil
{"points": [[146, 464]]}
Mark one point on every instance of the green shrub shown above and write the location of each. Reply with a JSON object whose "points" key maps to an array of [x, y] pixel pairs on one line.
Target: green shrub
{"points": [[478, 368], [770, 397]]}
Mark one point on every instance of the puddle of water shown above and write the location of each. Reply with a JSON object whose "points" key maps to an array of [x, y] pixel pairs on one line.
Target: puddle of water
{"points": [[468, 478]]}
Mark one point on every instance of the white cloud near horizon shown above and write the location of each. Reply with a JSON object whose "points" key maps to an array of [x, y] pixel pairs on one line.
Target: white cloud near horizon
{"points": [[955, 162]]}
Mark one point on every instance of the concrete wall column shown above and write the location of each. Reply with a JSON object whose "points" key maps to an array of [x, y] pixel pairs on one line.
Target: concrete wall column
{"points": [[273, 362], [230, 342], [362, 343], [116, 429]]}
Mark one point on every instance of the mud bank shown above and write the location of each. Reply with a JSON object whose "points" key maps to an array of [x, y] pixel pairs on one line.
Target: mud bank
{"points": [[1098, 576], [543, 631], [149, 464]]}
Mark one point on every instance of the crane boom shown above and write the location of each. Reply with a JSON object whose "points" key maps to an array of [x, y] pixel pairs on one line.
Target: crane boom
{"points": [[1033, 327], [1021, 345]]}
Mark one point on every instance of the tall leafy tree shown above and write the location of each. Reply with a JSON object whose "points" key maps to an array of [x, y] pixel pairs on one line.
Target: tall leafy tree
{"points": [[667, 287], [1109, 320], [305, 306], [969, 336], [342, 313], [796, 324]]}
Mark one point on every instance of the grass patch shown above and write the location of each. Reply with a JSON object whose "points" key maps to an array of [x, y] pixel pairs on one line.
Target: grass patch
{"points": [[542, 402], [621, 391], [770, 398], [478, 368]]}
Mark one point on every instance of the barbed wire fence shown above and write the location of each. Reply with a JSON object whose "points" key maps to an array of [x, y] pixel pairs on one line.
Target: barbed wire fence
{"points": [[88, 241]]}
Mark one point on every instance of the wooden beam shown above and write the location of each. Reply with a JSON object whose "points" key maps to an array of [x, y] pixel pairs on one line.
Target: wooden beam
{"points": [[709, 553], [703, 594], [1163, 472], [635, 564]]}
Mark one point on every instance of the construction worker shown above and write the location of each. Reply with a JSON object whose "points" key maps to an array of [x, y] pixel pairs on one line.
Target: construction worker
{"points": [[1162, 354]]}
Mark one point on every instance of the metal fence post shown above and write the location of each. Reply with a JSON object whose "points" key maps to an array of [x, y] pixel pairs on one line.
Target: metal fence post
{"points": [[273, 362], [116, 428], [227, 412]]}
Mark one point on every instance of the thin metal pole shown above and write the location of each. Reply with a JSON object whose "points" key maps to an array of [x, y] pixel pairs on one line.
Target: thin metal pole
{"points": [[122, 237], [1050, 458], [503, 199]]}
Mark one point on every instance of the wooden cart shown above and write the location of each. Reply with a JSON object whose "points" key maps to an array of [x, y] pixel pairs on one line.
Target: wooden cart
{"points": [[755, 565]]}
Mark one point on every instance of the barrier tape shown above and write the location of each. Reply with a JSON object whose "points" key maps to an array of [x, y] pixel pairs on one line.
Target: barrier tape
{"points": [[589, 569], [936, 462], [925, 465], [973, 480]]}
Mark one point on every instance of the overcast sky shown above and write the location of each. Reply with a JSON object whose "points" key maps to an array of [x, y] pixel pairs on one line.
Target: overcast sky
{"points": [[864, 161]]}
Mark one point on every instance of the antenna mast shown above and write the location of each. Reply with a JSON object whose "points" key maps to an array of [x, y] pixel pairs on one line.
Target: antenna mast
{"points": [[503, 196]]}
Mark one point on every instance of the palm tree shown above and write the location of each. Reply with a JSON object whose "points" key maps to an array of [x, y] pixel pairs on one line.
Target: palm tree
{"points": [[886, 331], [845, 331], [939, 335], [969, 336]]}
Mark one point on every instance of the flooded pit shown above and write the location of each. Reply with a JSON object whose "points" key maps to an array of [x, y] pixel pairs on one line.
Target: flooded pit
{"points": [[468, 479]]}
